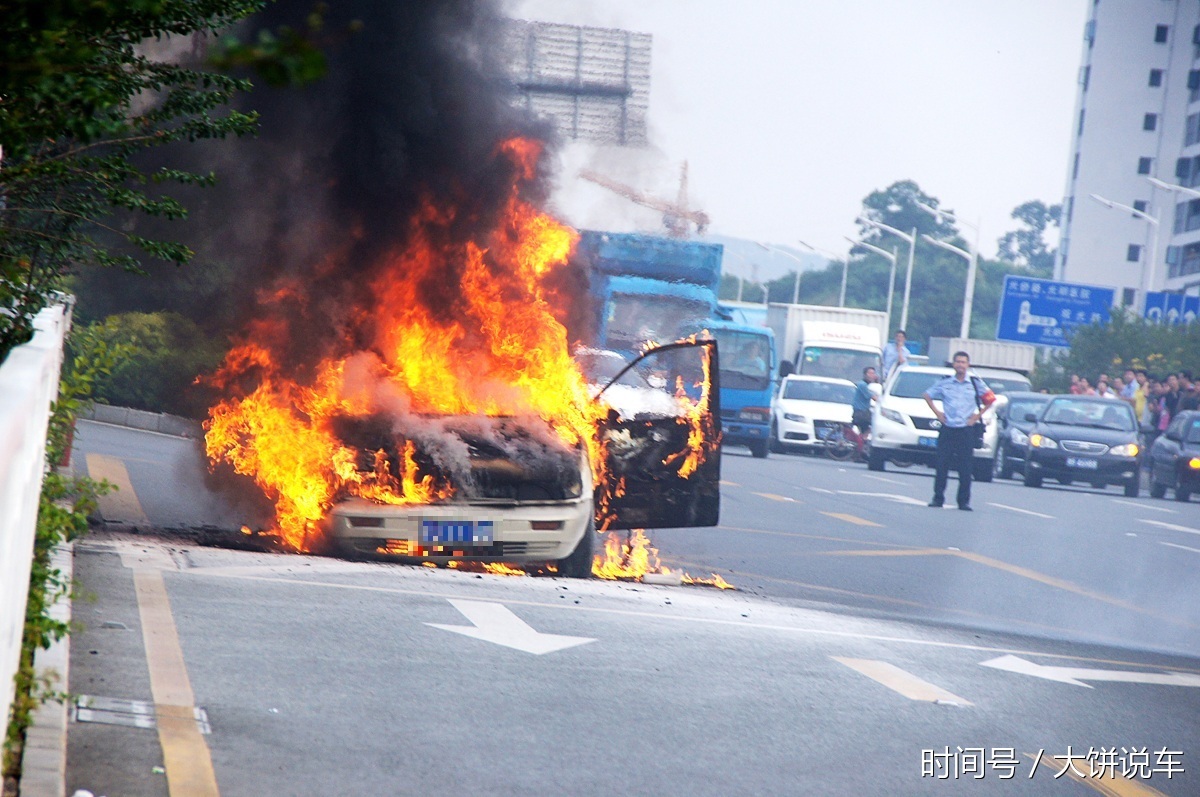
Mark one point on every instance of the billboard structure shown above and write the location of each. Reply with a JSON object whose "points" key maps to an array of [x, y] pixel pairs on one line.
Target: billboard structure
{"points": [[594, 83]]}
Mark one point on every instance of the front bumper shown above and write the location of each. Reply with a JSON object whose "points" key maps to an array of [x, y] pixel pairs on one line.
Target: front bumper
{"points": [[741, 432], [906, 441], [1056, 464], [363, 527]]}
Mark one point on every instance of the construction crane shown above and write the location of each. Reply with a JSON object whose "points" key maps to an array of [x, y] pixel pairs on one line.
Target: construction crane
{"points": [[676, 215]]}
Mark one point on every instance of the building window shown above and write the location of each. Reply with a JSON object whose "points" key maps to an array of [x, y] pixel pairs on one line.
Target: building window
{"points": [[1160, 34], [1192, 132], [1127, 297], [1144, 165], [1085, 72], [1140, 204], [1134, 254], [1156, 78], [1080, 131], [1075, 167], [1070, 208], [1150, 121]]}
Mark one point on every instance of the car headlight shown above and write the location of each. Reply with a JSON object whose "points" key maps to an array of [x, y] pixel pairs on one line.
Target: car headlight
{"points": [[791, 416], [1041, 441], [1127, 450], [1194, 463], [891, 415], [1018, 437]]}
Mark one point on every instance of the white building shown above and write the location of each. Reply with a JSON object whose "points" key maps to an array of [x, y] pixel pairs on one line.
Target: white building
{"points": [[1137, 117]]}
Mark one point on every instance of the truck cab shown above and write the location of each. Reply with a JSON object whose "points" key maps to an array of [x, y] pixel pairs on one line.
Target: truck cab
{"points": [[748, 378]]}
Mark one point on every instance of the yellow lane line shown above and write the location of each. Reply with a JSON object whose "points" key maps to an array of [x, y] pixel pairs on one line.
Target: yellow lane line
{"points": [[121, 506], [901, 681], [856, 520], [186, 757], [798, 535], [773, 497], [1109, 784], [906, 552]]}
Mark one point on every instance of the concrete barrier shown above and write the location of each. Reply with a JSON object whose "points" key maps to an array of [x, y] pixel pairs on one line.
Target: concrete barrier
{"points": [[140, 419], [28, 384]]}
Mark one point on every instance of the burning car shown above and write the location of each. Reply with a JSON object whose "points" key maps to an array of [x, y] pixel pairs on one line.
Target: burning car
{"points": [[521, 496]]}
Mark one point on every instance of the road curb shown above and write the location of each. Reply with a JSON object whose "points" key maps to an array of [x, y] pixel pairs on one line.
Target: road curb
{"points": [[160, 422], [44, 759]]}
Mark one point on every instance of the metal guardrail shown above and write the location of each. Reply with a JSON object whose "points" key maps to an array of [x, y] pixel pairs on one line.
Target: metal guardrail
{"points": [[28, 384]]}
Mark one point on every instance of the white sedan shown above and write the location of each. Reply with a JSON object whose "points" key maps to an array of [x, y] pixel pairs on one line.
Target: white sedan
{"points": [[807, 409]]}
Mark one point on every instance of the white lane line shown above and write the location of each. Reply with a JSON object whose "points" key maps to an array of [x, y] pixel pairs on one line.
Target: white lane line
{"points": [[1181, 547], [899, 499], [1170, 526], [901, 681], [1144, 506], [774, 497], [882, 479], [821, 490], [1022, 511]]}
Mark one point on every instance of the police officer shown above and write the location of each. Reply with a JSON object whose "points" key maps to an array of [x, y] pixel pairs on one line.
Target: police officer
{"points": [[961, 408]]}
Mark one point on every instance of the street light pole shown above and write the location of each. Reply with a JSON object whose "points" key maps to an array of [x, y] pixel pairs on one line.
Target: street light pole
{"points": [[1147, 274], [892, 256], [972, 263], [969, 295], [799, 266], [832, 256], [912, 249]]}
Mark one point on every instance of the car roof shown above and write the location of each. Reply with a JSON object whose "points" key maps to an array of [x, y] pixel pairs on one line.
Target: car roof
{"points": [[833, 380], [1030, 394], [1091, 399]]}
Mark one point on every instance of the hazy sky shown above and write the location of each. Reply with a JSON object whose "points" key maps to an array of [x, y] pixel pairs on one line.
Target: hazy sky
{"points": [[790, 112]]}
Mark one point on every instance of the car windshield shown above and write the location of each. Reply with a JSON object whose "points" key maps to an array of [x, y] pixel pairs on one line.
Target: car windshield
{"points": [[1019, 408], [1005, 384], [806, 390], [913, 384], [601, 366], [834, 362], [1093, 414], [744, 358], [1191, 432], [634, 319]]}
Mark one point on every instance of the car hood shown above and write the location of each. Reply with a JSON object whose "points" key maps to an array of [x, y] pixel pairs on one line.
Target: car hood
{"points": [[823, 410], [1110, 437]]}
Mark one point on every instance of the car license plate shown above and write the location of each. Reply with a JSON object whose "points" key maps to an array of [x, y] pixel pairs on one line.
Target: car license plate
{"points": [[461, 532], [1083, 462], [927, 442]]}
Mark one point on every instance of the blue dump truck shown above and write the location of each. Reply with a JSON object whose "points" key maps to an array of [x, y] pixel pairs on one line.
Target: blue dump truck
{"points": [[650, 288]]}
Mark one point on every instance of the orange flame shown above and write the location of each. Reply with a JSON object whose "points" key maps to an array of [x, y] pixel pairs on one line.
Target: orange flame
{"points": [[635, 557]]}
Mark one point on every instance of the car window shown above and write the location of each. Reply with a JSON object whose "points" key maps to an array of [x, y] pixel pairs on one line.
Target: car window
{"points": [[1114, 415], [1019, 408], [913, 384], [1193, 430], [804, 390], [1004, 384], [745, 359]]}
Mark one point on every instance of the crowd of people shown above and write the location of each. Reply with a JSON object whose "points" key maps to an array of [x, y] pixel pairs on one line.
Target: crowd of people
{"points": [[1155, 400]]}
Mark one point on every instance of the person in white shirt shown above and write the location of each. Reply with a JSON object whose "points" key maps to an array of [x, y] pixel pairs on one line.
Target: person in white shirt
{"points": [[895, 353]]}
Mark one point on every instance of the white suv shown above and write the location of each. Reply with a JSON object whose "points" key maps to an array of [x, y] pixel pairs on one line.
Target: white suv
{"points": [[904, 430]]}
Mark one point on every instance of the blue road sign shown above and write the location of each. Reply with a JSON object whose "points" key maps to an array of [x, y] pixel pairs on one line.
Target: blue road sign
{"points": [[1172, 308], [1045, 313]]}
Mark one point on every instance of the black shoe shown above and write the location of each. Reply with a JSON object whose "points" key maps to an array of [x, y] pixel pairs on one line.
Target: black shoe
{"points": [[936, 504], [966, 509]]}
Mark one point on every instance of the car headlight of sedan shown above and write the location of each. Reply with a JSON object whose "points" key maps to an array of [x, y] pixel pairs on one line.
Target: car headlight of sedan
{"points": [[791, 416], [1041, 441], [1018, 437], [892, 415], [1127, 450]]}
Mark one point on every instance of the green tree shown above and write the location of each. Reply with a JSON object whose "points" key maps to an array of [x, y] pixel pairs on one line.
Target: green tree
{"points": [[1026, 247], [1126, 341], [897, 206], [81, 98]]}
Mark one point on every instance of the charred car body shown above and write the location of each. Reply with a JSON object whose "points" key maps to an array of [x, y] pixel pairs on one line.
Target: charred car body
{"points": [[520, 495]]}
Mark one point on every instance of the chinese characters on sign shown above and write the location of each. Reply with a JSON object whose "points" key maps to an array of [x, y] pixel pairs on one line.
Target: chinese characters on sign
{"points": [[1131, 763], [1045, 313]]}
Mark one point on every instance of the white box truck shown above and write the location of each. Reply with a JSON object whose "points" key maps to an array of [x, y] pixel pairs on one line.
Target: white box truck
{"points": [[827, 341], [984, 353]]}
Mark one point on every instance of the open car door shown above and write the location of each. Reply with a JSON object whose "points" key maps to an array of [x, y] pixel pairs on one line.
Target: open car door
{"points": [[661, 440]]}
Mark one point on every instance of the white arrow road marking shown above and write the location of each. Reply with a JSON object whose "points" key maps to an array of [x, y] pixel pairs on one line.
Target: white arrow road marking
{"points": [[493, 622], [1077, 675], [902, 681], [1022, 511], [899, 499], [1171, 526]]}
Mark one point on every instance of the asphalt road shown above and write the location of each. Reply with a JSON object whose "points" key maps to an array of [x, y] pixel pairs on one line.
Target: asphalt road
{"points": [[870, 639]]}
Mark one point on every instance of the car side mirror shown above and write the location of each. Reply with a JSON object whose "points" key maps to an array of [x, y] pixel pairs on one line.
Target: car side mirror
{"points": [[1031, 417], [786, 368]]}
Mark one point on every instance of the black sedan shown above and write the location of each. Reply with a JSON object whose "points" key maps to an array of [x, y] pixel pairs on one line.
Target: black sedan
{"points": [[1175, 458], [1013, 430], [1085, 438]]}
